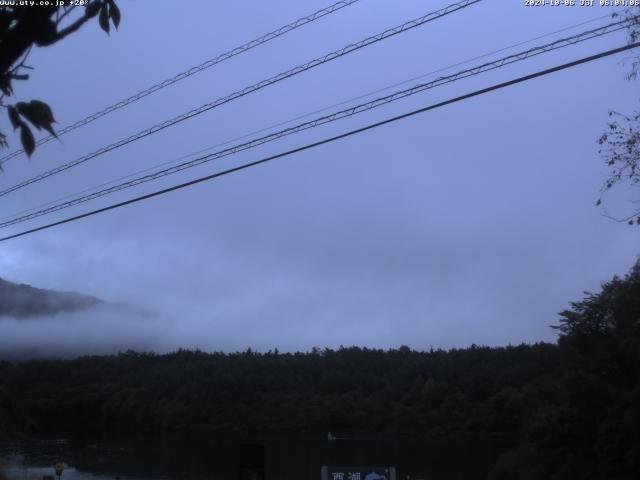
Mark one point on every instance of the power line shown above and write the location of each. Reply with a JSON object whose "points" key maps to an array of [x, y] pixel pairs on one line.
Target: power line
{"points": [[333, 117], [258, 86], [330, 139], [308, 114], [489, 66], [192, 71]]}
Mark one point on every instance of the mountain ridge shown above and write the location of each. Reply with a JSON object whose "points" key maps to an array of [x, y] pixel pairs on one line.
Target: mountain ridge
{"points": [[23, 301]]}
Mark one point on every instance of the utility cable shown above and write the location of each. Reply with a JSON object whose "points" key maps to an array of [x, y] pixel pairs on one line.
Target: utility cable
{"points": [[240, 93], [517, 57], [305, 115], [330, 139], [191, 71]]}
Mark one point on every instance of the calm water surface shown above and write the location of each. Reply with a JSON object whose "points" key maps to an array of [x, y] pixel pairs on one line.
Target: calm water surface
{"points": [[221, 457]]}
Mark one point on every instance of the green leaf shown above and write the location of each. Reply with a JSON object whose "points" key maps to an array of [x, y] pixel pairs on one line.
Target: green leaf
{"points": [[38, 113], [25, 110], [92, 9], [14, 117], [114, 13], [104, 18], [50, 129], [26, 137], [43, 111]]}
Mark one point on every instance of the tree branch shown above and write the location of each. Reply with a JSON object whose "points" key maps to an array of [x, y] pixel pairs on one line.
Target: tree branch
{"points": [[70, 29]]}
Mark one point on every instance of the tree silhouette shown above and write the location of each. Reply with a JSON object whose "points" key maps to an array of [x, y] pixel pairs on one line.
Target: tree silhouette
{"points": [[620, 143], [21, 28]]}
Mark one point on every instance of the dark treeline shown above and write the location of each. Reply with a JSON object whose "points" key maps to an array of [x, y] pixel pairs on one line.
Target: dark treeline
{"points": [[571, 409], [484, 389]]}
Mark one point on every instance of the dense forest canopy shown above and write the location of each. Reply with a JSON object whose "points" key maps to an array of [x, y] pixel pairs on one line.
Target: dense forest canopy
{"points": [[344, 389]]}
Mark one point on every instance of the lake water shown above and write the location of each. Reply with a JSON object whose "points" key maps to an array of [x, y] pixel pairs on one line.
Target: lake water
{"points": [[222, 458]]}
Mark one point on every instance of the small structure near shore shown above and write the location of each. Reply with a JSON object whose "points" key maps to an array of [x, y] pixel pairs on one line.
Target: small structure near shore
{"points": [[357, 473]]}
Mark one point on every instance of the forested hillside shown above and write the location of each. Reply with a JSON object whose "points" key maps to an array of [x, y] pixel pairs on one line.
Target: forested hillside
{"points": [[23, 301], [588, 426], [352, 388]]}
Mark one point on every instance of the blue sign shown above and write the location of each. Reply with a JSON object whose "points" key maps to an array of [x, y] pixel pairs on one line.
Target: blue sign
{"points": [[357, 473]]}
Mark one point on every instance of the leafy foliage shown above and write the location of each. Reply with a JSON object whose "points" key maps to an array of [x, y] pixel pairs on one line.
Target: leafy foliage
{"points": [[590, 428], [621, 151], [620, 143], [21, 28]]}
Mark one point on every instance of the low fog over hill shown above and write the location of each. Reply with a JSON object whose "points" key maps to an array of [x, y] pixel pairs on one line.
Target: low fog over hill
{"points": [[36, 322], [24, 301]]}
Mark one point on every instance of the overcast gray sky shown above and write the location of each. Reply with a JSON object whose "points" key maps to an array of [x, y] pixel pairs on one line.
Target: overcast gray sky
{"points": [[474, 223]]}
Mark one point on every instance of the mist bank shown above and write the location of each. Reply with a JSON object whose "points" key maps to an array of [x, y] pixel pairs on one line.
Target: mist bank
{"points": [[103, 329], [45, 323], [110, 328]]}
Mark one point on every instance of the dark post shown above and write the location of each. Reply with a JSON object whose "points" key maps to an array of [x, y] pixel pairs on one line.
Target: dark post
{"points": [[252, 462], [59, 467]]}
